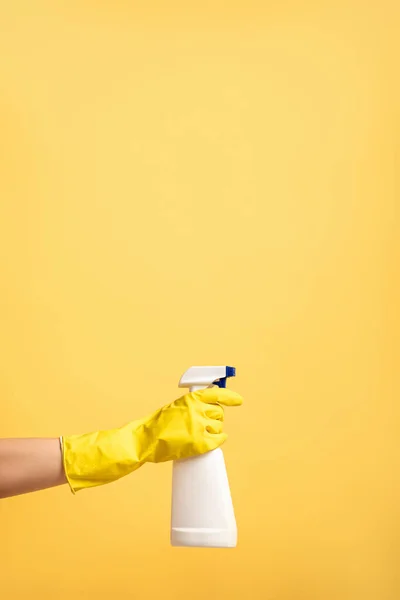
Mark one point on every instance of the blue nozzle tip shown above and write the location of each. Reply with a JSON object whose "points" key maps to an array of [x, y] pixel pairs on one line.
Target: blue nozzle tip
{"points": [[230, 372]]}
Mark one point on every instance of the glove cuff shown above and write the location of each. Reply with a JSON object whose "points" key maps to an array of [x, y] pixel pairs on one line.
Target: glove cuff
{"points": [[98, 458]]}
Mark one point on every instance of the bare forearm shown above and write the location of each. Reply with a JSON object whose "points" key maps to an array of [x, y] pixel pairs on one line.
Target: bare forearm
{"points": [[28, 465]]}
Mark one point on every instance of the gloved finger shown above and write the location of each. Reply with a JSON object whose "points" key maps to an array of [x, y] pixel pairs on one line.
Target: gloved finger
{"points": [[214, 411], [214, 427], [216, 395]]}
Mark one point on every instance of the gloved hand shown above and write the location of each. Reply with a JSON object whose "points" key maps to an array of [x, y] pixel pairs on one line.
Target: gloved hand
{"points": [[189, 426]]}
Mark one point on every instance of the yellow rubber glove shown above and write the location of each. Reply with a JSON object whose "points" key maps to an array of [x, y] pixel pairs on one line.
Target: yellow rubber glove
{"points": [[189, 426]]}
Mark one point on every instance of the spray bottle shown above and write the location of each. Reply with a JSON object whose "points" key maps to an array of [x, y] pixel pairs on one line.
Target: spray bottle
{"points": [[202, 509]]}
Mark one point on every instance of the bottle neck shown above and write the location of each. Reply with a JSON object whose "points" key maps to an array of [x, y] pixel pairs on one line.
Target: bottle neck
{"points": [[194, 388]]}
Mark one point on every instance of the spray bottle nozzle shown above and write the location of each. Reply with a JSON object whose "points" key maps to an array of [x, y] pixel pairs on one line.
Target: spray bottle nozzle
{"points": [[205, 376], [230, 372]]}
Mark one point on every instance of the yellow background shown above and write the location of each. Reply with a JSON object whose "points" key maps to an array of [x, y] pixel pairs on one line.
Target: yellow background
{"points": [[204, 184]]}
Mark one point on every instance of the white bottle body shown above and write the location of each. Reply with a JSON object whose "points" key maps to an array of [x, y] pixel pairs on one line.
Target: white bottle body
{"points": [[202, 509]]}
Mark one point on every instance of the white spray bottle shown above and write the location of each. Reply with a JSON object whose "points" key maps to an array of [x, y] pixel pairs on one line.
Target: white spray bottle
{"points": [[202, 509]]}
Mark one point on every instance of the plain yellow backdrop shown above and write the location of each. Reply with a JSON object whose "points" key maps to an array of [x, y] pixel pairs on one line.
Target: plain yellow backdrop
{"points": [[194, 185]]}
